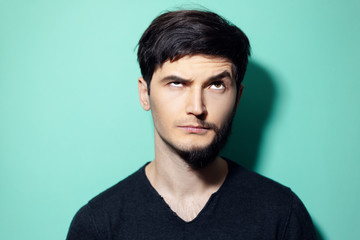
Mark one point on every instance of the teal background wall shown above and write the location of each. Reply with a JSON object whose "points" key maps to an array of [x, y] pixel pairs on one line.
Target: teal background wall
{"points": [[71, 124]]}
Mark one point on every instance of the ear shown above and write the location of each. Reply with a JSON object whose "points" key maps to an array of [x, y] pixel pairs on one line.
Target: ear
{"points": [[143, 94], [239, 95]]}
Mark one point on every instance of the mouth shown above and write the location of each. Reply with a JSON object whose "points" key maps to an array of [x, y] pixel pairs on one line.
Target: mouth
{"points": [[195, 129]]}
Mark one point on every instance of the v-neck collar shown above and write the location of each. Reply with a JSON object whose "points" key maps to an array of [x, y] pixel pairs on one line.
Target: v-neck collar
{"points": [[203, 211]]}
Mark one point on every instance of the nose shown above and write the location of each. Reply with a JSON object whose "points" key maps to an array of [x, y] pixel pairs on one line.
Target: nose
{"points": [[195, 104]]}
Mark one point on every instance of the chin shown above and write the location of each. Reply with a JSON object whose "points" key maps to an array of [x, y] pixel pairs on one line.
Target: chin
{"points": [[197, 157]]}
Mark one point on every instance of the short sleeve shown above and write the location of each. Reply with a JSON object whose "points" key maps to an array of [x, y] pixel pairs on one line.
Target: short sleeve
{"points": [[83, 226], [299, 225]]}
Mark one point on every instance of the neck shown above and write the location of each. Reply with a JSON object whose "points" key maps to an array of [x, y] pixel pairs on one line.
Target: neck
{"points": [[171, 176]]}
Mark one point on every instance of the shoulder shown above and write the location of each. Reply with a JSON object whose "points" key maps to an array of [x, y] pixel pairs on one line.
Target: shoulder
{"points": [[93, 220], [125, 191], [253, 184], [257, 193], [121, 196], [264, 198]]}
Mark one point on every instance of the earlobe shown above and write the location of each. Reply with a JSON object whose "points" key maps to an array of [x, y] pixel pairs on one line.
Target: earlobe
{"points": [[143, 94]]}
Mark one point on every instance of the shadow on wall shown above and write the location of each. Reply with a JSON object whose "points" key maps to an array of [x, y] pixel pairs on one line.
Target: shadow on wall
{"points": [[319, 233], [253, 114]]}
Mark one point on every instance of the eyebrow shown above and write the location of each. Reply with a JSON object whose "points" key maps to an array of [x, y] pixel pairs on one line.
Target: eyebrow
{"points": [[222, 75], [174, 78]]}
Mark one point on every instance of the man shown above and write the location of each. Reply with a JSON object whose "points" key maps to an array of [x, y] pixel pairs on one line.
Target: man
{"points": [[192, 65]]}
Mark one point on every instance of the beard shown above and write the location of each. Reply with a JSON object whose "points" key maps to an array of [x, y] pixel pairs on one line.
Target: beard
{"points": [[200, 157]]}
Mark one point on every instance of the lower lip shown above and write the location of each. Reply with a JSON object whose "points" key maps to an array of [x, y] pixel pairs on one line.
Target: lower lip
{"points": [[195, 130]]}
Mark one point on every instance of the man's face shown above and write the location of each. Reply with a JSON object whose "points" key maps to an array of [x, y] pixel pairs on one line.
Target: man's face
{"points": [[192, 101]]}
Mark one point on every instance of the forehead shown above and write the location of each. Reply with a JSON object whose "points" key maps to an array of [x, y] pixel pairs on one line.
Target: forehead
{"points": [[196, 66]]}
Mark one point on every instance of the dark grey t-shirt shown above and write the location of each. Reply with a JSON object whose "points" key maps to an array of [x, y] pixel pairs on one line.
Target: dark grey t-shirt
{"points": [[247, 206]]}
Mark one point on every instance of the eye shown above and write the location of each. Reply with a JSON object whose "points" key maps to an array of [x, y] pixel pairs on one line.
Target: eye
{"points": [[217, 85], [176, 84]]}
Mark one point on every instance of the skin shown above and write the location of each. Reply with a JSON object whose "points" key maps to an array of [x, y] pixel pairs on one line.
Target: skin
{"points": [[188, 99]]}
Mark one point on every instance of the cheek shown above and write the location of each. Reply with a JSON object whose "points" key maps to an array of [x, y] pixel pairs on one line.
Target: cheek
{"points": [[164, 109], [220, 109], [223, 114], [167, 102]]}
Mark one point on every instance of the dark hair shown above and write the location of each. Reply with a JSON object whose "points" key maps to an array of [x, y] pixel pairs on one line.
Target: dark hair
{"points": [[176, 34]]}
